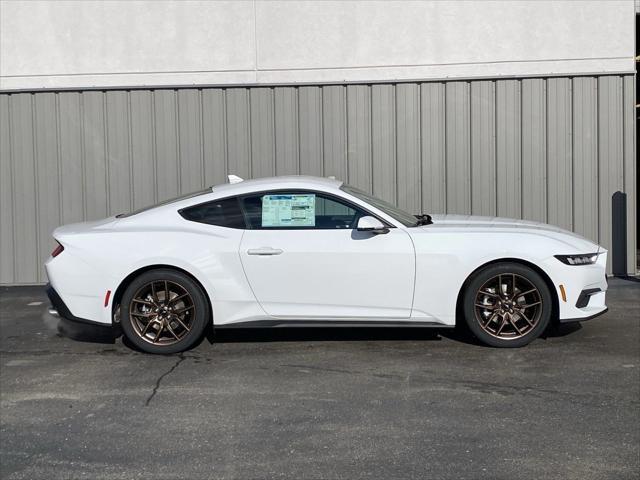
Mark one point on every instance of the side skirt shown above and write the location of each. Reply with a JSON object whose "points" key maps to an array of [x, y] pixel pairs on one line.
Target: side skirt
{"points": [[330, 324]]}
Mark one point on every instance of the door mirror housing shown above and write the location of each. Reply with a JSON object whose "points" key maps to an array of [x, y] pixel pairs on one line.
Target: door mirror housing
{"points": [[371, 224]]}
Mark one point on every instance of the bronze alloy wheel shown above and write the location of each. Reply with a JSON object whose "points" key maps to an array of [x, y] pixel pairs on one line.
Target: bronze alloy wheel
{"points": [[508, 306], [162, 312]]}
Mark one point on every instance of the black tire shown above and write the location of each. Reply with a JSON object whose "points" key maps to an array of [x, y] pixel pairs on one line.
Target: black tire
{"points": [[188, 325], [489, 305]]}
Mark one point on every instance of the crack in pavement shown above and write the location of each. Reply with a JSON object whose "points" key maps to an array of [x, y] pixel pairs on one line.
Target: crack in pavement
{"points": [[181, 358]]}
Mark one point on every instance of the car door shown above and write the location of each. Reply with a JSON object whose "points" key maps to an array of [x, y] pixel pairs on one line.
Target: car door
{"points": [[304, 259]]}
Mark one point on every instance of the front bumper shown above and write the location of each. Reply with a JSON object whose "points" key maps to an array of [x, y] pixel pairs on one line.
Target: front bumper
{"points": [[580, 289], [591, 300], [582, 319]]}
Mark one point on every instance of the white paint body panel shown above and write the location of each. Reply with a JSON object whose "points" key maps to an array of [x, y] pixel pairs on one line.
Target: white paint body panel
{"points": [[331, 273], [409, 274]]}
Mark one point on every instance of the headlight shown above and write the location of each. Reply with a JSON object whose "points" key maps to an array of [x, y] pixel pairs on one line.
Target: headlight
{"points": [[583, 259]]}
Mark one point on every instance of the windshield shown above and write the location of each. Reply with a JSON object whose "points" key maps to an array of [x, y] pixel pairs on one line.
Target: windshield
{"points": [[165, 202], [400, 215]]}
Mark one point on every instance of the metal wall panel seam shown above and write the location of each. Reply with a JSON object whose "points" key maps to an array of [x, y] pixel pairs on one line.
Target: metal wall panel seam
{"points": [[419, 145], [107, 166], [545, 149], [83, 158], [597, 112], [348, 155], [13, 188], [572, 157], [201, 119], [518, 182], [520, 121], [470, 140], [130, 154], [569, 144], [297, 135], [107, 149], [467, 150], [59, 157], [445, 144], [373, 177], [177, 134], [248, 113], [345, 143], [225, 131], [321, 111], [420, 149], [495, 145], [394, 140], [36, 190], [154, 147], [274, 144], [598, 162], [521, 149]]}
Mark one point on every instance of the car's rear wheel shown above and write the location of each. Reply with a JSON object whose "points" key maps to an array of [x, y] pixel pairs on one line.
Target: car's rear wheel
{"points": [[164, 311], [507, 305]]}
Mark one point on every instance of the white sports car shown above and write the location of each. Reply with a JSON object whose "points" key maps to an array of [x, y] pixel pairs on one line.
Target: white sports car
{"points": [[307, 251]]}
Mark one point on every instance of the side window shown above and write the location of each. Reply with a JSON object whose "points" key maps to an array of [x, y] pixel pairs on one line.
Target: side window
{"points": [[223, 213], [298, 210]]}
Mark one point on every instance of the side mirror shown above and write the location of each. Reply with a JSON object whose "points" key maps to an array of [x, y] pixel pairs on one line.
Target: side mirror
{"points": [[371, 224]]}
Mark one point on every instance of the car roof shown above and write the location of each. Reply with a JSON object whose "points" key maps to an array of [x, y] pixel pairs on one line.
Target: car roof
{"points": [[244, 187], [268, 183]]}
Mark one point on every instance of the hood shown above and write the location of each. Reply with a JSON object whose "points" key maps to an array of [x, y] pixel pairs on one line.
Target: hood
{"points": [[491, 223]]}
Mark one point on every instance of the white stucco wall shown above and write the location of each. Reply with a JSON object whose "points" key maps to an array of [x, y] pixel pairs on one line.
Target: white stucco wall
{"points": [[75, 44]]}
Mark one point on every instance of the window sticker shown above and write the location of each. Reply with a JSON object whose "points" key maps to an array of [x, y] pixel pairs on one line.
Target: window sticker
{"points": [[289, 210]]}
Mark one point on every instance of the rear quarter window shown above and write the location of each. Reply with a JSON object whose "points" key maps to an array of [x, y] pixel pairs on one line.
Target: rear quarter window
{"points": [[165, 202], [222, 213]]}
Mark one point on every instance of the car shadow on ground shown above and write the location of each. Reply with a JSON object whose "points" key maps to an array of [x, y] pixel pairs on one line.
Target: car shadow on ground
{"points": [[561, 329], [324, 334], [90, 334], [86, 333]]}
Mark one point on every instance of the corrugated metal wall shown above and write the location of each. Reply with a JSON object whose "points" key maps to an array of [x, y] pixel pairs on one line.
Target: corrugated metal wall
{"points": [[553, 150]]}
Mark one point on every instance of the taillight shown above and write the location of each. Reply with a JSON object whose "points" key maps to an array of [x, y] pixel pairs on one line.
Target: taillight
{"points": [[57, 251]]}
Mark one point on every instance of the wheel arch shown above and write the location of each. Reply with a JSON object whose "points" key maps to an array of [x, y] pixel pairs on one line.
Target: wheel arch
{"points": [[117, 296], [552, 289]]}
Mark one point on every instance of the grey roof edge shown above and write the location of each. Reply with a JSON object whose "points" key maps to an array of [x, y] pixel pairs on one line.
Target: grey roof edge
{"points": [[312, 84]]}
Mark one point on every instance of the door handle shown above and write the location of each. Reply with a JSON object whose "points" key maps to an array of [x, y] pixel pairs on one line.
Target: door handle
{"points": [[264, 251]]}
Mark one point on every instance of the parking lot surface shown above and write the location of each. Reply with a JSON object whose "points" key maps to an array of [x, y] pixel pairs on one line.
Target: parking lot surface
{"points": [[322, 403]]}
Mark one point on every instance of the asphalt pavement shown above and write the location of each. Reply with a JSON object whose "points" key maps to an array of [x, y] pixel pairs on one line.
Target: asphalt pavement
{"points": [[321, 403]]}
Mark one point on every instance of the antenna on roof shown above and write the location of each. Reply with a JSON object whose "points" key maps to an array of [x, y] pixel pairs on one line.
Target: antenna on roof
{"points": [[234, 179]]}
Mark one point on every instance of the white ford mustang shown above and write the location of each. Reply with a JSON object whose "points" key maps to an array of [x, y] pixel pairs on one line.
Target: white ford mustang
{"points": [[305, 251]]}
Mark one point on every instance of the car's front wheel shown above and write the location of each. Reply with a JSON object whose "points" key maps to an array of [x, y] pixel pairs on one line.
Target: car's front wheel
{"points": [[507, 305], [164, 311]]}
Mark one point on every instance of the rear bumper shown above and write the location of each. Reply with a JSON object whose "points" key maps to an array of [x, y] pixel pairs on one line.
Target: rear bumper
{"points": [[63, 311]]}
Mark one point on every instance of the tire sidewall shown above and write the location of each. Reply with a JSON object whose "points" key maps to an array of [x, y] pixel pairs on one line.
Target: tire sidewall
{"points": [[200, 321], [479, 278]]}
